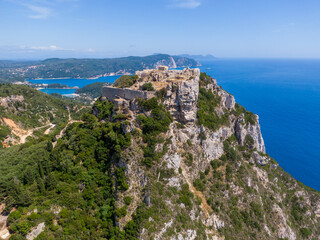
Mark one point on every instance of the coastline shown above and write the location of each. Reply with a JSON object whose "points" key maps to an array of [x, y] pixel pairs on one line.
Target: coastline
{"points": [[82, 78], [40, 88]]}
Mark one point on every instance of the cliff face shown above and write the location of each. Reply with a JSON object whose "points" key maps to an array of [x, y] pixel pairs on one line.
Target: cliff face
{"points": [[213, 179]]}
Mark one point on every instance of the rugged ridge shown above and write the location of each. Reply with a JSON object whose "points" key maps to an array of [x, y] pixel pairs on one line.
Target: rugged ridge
{"points": [[185, 161], [240, 132]]}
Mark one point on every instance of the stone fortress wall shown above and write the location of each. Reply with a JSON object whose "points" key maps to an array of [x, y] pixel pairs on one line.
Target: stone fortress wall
{"points": [[112, 93]]}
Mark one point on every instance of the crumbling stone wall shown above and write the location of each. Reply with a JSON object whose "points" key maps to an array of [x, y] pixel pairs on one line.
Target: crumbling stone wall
{"points": [[112, 93]]}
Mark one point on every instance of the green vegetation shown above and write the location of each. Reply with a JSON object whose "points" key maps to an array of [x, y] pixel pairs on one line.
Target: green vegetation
{"points": [[147, 87], [185, 196], [34, 109], [57, 85], [76, 175], [4, 131], [158, 122], [204, 79], [248, 116], [305, 232], [207, 115], [125, 81], [92, 90]]}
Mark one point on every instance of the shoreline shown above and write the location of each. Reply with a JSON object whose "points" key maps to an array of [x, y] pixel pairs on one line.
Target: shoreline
{"points": [[57, 88], [73, 78]]}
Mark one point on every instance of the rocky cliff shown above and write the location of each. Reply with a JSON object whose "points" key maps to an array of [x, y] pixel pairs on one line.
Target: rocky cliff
{"points": [[188, 162], [214, 178]]}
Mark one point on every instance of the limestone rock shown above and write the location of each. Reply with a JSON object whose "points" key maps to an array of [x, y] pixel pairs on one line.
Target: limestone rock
{"points": [[173, 160], [187, 97], [242, 129], [4, 232], [261, 160], [284, 231], [215, 139], [36, 231], [5, 101]]}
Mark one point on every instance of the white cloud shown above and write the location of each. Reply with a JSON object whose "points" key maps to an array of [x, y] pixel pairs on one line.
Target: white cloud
{"points": [[44, 48], [43, 9], [38, 12], [185, 3]]}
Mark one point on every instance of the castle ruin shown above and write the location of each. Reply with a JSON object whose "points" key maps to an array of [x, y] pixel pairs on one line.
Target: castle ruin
{"points": [[160, 78]]}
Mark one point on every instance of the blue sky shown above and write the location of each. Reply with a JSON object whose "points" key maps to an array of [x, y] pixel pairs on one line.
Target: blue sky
{"points": [[105, 28]]}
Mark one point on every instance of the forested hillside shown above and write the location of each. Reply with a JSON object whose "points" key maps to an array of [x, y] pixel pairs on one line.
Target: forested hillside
{"points": [[26, 112]]}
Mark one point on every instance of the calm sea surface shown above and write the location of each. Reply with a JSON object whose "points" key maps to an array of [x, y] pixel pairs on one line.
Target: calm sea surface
{"points": [[286, 96], [72, 83]]}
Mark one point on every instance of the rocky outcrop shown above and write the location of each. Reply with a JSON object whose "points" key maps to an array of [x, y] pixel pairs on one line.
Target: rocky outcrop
{"points": [[4, 231], [284, 231], [243, 128], [36, 231], [260, 160], [181, 98], [5, 101], [187, 97]]}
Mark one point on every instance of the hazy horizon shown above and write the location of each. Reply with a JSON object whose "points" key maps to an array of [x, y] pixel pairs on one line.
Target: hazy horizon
{"points": [[216, 58]]}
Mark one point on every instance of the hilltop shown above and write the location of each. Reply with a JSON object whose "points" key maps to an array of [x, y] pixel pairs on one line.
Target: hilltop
{"points": [[163, 154]]}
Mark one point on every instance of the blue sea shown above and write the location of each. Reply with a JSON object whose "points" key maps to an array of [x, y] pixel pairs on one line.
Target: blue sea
{"points": [[286, 96], [71, 82]]}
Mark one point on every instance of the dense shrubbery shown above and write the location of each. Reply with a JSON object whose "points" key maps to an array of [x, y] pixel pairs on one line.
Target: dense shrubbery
{"points": [[77, 174], [4, 131], [104, 109], [125, 81], [207, 115], [147, 87], [249, 117], [152, 125], [93, 90], [204, 79], [185, 196]]}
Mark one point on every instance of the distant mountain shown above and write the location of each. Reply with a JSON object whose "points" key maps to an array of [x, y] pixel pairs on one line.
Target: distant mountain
{"points": [[199, 57], [88, 68]]}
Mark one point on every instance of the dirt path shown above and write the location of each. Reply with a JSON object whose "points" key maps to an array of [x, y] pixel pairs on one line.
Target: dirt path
{"points": [[82, 108], [22, 133], [204, 205], [46, 132]]}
